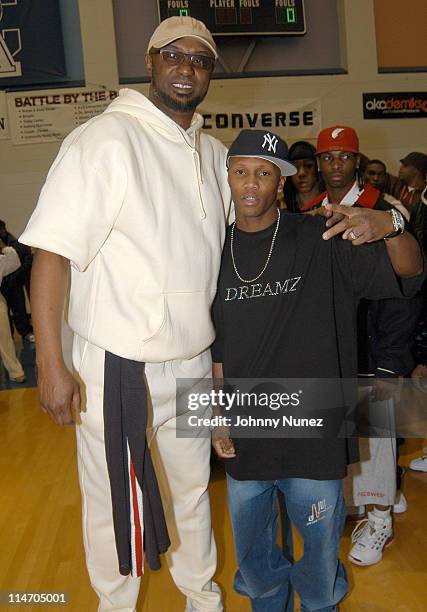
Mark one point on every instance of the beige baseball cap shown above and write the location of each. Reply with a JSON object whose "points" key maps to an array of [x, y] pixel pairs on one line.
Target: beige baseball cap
{"points": [[179, 27]]}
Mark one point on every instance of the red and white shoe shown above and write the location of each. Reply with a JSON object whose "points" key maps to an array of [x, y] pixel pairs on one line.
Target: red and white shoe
{"points": [[369, 538]]}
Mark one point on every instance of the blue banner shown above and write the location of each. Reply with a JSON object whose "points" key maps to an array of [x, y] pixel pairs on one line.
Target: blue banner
{"points": [[31, 47]]}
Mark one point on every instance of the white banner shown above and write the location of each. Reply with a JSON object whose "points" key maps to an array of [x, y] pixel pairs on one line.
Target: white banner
{"points": [[292, 119], [4, 123], [49, 115]]}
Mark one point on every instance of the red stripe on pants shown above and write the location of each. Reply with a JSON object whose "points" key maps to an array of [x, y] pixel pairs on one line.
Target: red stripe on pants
{"points": [[137, 520]]}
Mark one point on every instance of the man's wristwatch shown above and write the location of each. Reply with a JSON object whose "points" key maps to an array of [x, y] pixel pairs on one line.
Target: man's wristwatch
{"points": [[398, 223]]}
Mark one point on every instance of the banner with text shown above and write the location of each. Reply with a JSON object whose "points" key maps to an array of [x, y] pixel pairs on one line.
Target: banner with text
{"points": [[4, 123], [48, 116], [292, 119], [395, 105]]}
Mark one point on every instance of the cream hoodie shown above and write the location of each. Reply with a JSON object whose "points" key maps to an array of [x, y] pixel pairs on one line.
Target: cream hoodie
{"points": [[139, 207]]}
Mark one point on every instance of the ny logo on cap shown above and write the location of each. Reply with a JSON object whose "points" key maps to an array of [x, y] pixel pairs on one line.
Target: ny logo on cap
{"points": [[271, 141]]}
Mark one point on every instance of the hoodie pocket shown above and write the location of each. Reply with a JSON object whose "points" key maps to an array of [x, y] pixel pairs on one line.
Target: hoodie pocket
{"points": [[186, 328], [158, 306]]}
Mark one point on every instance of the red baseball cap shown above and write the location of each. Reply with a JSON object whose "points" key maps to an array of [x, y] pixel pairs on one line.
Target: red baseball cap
{"points": [[337, 138]]}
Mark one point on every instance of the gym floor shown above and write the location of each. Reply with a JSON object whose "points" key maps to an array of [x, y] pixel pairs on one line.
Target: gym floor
{"points": [[40, 529]]}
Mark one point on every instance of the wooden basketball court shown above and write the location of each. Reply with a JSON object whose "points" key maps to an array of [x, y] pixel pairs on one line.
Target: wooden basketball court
{"points": [[40, 531]]}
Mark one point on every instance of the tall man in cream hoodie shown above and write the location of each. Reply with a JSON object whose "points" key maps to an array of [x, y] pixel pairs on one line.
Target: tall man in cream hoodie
{"points": [[136, 204]]}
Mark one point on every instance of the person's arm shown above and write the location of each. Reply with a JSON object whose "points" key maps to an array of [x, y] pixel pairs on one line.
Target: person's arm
{"points": [[221, 440], [370, 225], [217, 371], [405, 255], [420, 371], [58, 391]]}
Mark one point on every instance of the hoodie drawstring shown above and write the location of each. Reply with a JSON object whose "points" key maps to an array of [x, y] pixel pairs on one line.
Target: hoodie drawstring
{"points": [[196, 158]]}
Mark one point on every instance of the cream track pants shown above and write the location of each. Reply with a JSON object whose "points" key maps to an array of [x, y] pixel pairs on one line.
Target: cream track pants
{"points": [[182, 468]]}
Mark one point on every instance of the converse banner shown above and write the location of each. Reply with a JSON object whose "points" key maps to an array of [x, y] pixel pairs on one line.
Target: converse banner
{"points": [[292, 119]]}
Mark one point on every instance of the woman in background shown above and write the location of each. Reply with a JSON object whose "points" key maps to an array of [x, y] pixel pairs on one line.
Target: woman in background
{"points": [[306, 185]]}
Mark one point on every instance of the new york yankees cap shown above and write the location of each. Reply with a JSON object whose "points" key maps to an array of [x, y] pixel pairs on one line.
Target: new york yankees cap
{"points": [[174, 28], [337, 138], [265, 145]]}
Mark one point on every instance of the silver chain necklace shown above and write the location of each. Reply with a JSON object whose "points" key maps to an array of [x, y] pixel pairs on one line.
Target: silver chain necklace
{"points": [[252, 280]]}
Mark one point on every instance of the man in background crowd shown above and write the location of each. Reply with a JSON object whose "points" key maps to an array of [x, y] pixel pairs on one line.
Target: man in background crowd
{"points": [[338, 160], [407, 188], [13, 285], [375, 173], [385, 332]]}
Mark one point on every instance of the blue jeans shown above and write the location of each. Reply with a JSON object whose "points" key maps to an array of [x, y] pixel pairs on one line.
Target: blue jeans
{"points": [[317, 510]]}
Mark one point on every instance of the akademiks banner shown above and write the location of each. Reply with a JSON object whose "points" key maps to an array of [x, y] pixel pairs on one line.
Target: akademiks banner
{"points": [[395, 105]]}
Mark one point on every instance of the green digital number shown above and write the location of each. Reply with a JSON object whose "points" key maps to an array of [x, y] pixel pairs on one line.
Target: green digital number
{"points": [[291, 15]]}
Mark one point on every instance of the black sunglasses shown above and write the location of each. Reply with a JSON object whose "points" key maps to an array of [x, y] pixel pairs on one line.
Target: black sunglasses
{"points": [[175, 58]]}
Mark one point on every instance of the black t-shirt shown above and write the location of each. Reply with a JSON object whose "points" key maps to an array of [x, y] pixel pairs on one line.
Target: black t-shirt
{"points": [[298, 320]]}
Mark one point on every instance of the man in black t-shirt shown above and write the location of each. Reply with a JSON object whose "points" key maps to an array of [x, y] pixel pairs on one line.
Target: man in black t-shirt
{"points": [[286, 307]]}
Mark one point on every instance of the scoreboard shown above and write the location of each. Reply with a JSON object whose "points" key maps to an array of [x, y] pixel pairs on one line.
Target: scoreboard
{"points": [[241, 17]]}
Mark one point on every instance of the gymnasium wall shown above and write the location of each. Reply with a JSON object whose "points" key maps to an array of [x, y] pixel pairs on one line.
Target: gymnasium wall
{"points": [[401, 30], [23, 167]]}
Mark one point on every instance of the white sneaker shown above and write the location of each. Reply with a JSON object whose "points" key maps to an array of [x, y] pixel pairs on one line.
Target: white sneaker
{"points": [[369, 538], [215, 588], [420, 464], [400, 503]]}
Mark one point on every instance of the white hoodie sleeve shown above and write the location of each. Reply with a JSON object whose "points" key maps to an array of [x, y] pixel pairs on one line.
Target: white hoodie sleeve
{"points": [[9, 262], [81, 197]]}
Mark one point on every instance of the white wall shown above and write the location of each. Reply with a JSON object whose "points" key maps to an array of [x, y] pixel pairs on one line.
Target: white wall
{"points": [[22, 168]]}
